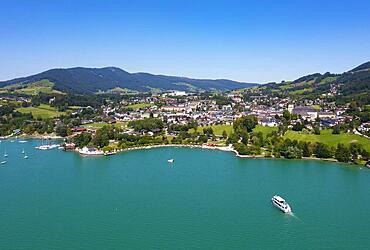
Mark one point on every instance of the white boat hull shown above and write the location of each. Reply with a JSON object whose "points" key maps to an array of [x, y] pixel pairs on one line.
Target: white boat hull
{"points": [[285, 210], [281, 204]]}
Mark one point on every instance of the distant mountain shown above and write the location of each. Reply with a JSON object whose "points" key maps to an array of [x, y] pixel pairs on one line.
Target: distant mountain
{"points": [[91, 80]]}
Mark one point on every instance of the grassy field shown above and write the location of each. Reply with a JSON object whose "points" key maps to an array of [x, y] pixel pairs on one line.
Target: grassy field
{"points": [[218, 129], [74, 107], [300, 91], [328, 79], [43, 86], [328, 138], [44, 111], [7, 102], [139, 105], [102, 124], [264, 130]]}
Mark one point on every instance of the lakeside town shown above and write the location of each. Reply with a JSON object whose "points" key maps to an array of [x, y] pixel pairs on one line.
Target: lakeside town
{"points": [[185, 125], [247, 122]]}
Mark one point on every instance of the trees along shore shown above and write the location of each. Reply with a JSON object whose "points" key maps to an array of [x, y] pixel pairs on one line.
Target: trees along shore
{"points": [[153, 131]]}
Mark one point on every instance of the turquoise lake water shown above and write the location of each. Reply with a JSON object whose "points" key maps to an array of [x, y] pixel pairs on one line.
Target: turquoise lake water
{"points": [[204, 200]]}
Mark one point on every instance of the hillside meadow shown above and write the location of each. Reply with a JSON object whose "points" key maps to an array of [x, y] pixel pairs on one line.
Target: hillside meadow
{"points": [[43, 111]]}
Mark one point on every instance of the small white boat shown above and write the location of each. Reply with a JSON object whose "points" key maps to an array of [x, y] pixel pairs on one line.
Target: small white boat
{"points": [[280, 203], [3, 162], [109, 153], [5, 154], [22, 141], [22, 151], [25, 157], [170, 160], [42, 147], [52, 146], [47, 147]]}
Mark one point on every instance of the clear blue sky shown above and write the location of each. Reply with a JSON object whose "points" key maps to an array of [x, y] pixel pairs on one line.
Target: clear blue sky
{"points": [[251, 41]]}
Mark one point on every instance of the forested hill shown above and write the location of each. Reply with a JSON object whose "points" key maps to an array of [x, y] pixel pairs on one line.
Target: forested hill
{"points": [[353, 85], [91, 80], [364, 66]]}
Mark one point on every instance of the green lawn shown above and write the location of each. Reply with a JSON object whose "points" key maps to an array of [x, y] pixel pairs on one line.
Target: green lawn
{"points": [[139, 105], [44, 111], [264, 129], [218, 129], [328, 138], [98, 125], [325, 137]]}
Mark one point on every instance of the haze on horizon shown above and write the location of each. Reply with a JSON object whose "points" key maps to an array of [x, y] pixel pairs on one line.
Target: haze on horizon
{"points": [[247, 41]]}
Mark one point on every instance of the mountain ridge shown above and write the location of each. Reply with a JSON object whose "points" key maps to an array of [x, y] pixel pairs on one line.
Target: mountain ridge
{"points": [[364, 66], [91, 80]]}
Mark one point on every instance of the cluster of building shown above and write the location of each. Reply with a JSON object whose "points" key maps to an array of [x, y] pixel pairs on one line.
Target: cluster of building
{"points": [[208, 111], [179, 107]]}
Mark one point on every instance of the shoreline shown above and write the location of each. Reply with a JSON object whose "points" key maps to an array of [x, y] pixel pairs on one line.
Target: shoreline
{"points": [[220, 148], [224, 149]]}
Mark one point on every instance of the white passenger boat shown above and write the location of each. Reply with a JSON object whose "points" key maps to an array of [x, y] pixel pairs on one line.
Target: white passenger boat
{"points": [[170, 160], [280, 203]]}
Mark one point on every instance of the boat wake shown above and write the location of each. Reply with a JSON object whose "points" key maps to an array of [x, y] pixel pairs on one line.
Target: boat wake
{"points": [[295, 216]]}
